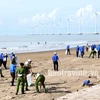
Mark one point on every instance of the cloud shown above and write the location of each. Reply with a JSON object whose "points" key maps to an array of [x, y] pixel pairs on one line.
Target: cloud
{"points": [[52, 15], [86, 11], [80, 12], [89, 8], [23, 21], [42, 18]]}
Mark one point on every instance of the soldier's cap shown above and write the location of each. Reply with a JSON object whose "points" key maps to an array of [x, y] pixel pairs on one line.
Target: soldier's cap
{"points": [[21, 64]]}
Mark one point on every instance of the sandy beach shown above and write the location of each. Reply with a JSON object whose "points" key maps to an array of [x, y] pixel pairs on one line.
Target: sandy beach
{"points": [[57, 86]]}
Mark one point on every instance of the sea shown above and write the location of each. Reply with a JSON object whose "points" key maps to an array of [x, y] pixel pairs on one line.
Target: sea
{"points": [[46, 42]]}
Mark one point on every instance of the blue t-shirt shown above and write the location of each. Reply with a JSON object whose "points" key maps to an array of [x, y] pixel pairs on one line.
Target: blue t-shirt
{"points": [[86, 82], [12, 68], [55, 58]]}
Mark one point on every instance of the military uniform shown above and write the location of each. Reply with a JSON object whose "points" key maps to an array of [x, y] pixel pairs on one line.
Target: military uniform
{"points": [[21, 79], [93, 52], [40, 78]]}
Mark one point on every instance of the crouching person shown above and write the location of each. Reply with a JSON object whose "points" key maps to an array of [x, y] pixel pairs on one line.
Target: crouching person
{"points": [[21, 78], [40, 79]]}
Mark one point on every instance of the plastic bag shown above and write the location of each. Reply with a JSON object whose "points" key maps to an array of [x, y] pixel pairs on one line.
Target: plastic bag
{"points": [[29, 79]]}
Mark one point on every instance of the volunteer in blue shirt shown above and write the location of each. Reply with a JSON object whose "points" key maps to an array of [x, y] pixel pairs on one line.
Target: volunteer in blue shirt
{"points": [[5, 56], [82, 51], [12, 55], [68, 49], [86, 82], [55, 61], [1, 59], [77, 51], [12, 72], [98, 48]]}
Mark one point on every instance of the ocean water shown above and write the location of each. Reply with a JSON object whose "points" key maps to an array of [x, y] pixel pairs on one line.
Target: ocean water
{"points": [[36, 43]]}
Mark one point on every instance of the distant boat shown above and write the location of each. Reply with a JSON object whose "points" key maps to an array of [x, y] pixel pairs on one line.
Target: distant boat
{"points": [[68, 34], [80, 34], [96, 33]]}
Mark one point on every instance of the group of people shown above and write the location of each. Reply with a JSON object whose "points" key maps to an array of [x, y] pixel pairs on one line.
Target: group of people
{"points": [[80, 50], [21, 72], [3, 60]]}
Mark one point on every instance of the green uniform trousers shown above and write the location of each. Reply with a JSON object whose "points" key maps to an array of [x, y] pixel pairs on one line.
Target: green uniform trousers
{"points": [[41, 79], [92, 53], [21, 81]]}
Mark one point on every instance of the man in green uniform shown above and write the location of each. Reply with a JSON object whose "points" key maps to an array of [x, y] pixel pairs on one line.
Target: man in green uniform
{"points": [[21, 78], [40, 79], [93, 52]]}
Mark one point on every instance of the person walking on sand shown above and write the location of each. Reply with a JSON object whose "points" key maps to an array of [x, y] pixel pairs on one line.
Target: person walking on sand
{"points": [[55, 59], [40, 79], [68, 49], [30, 65], [12, 55], [21, 78], [5, 56], [93, 52], [12, 71], [82, 51], [98, 48], [27, 71], [1, 60], [87, 47], [77, 51]]}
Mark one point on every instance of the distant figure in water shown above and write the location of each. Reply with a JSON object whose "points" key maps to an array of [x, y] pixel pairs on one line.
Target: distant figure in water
{"points": [[30, 42], [45, 42], [38, 42]]}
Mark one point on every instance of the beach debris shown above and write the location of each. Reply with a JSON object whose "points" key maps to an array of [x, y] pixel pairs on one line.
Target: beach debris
{"points": [[89, 76]]}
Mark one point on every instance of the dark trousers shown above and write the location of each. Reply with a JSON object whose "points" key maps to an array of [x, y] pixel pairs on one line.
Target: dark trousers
{"points": [[4, 64], [1, 62], [55, 63], [68, 51], [87, 49], [77, 53], [13, 78], [82, 54], [98, 53]]}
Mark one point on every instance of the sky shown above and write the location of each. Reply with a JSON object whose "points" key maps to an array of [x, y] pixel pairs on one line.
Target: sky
{"points": [[49, 16]]}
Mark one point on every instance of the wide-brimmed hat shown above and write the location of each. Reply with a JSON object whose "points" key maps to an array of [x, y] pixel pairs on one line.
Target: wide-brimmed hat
{"points": [[29, 60]]}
